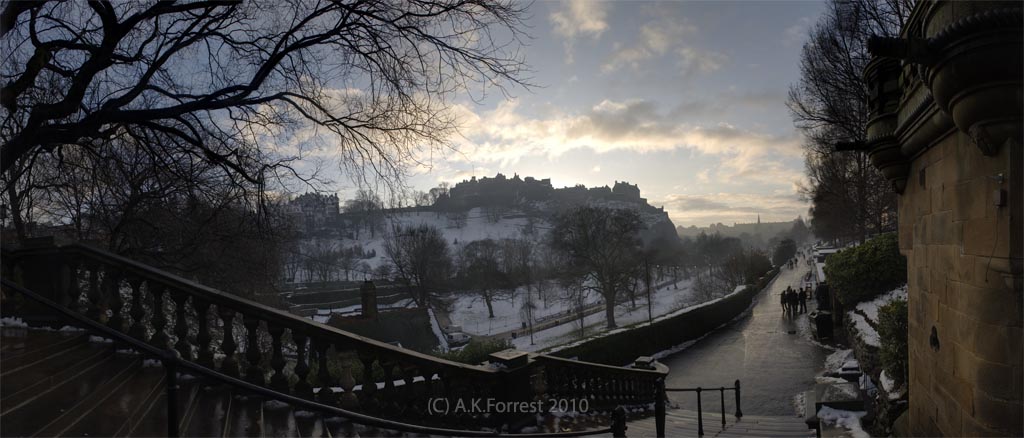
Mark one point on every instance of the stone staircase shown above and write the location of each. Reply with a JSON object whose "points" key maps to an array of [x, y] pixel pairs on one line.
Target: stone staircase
{"points": [[56, 383], [183, 359], [683, 423]]}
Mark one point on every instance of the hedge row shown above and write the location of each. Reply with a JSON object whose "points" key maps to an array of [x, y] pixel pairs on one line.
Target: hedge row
{"points": [[624, 347], [862, 272]]}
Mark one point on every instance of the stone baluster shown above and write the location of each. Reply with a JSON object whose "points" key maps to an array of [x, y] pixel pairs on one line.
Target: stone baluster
{"points": [[203, 338], [348, 385], [430, 388], [71, 285], [160, 338], [387, 398], [112, 283], [138, 313], [402, 395], [253, 355], [94, 295], [326, 395], [366, 396], [302, 387], [278, 381], [183, 346], [229, 366]]}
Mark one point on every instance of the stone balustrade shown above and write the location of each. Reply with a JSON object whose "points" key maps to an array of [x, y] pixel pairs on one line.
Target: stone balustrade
{"points": [[291, 355]]}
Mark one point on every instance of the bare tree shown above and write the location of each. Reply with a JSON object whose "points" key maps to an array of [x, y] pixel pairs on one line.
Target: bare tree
{"points": [[829, 105], [420, 259], [482, 269], [224, 82], [367, 212], [603, 245]]}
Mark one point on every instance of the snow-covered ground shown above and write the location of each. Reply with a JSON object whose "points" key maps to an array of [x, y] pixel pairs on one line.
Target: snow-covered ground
{"points": [[477, 227], [324, 314], [870, 308], [864, 326], [469, 311], [665, 300], [889, 386], [849, 420]]}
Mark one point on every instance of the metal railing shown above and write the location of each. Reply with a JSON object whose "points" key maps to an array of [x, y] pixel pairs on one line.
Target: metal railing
{"points": [[700, 408]]}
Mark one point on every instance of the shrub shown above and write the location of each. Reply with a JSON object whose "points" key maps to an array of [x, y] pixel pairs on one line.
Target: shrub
{"points": [[476, 352], [892, 329], [861, 273]]}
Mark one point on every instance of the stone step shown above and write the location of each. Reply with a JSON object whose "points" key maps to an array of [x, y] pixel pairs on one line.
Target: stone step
{"points": [[122, 407], [208, 414], [37, 414], [116, 375], [16, 341], [29, 383], [15, 363], [681, 422]]}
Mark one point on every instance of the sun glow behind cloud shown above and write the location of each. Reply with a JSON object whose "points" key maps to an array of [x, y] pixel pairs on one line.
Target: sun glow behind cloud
{"points": [[686, 99]]}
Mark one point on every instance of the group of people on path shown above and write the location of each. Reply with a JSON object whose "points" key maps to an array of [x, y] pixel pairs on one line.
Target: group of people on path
{"points": [[794, 301]]}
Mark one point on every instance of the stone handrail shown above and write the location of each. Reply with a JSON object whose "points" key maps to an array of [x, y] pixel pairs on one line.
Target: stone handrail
{"points": [[291, 355]]}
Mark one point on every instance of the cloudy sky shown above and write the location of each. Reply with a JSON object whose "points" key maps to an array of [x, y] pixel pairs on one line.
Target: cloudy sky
{"points": [[686, 99]]}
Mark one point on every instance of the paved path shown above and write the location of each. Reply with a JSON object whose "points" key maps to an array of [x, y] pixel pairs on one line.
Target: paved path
{"points": [[772, 364]]}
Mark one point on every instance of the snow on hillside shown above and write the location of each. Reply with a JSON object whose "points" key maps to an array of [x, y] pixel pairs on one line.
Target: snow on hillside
{"points": [[477, 227], [870, 308], [865, 326]]}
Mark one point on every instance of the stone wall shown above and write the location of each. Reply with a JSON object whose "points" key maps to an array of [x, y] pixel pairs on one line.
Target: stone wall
{"points": [[965, 311], [622, 347]]}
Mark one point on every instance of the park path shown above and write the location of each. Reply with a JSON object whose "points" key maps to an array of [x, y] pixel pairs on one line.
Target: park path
{"points": [[769, 352]]}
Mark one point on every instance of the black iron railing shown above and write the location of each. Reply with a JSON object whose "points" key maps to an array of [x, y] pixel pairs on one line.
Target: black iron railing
{"points": [[700, 407]]}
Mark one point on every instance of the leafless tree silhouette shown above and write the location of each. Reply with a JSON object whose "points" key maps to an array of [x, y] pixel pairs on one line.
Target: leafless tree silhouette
{"points": [[850, 198], [244, 85]]}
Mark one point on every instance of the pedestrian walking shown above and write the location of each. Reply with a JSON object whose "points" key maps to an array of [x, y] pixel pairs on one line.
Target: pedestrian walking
{"points": [[802, 297], [784, 301], [787, 301], [792, 302]]}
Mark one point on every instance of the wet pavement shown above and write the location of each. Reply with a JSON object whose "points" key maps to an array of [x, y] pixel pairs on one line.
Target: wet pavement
{"points": [[773, 364]]}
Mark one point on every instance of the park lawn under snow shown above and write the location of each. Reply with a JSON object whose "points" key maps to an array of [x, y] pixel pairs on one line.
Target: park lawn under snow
{"points": [[469, 311], [666, 300]]}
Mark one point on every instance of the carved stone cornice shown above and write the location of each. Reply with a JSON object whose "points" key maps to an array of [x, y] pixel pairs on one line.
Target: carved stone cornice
{"points": [[972, 67]]}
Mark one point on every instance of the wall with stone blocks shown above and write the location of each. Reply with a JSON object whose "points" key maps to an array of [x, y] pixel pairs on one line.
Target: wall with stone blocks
{"points": [[966, 379]]}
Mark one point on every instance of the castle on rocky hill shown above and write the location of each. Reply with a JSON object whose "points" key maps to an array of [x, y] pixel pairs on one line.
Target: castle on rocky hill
{"points": [[502, 190]]}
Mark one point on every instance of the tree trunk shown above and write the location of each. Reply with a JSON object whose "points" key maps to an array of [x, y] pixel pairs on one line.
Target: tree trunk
{"points": [[609, 312], [490, 305], [15, 212]]}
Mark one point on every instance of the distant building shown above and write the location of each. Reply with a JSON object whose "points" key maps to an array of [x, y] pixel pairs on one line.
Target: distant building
{"points": [[314, 211], [503, 191]]}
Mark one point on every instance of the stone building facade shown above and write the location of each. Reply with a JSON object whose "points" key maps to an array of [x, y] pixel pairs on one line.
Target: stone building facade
{"points": [[945, 129]]}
